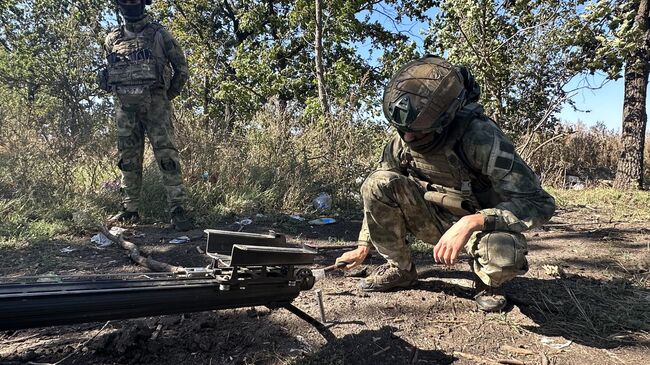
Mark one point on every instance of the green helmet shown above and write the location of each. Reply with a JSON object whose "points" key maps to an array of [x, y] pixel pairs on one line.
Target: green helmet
{"points": [[424, 95]]}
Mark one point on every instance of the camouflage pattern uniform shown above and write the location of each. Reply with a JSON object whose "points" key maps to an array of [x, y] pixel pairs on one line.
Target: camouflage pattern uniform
{"points": [[475, 163], [141, 57]]}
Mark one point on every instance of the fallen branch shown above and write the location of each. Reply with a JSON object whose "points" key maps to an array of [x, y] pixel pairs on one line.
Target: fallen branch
{"points": [[134, 254], [511, 362], [473, 358]]}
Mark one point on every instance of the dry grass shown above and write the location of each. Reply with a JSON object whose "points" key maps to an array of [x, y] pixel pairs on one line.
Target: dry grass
{"points": [[598, 313]]}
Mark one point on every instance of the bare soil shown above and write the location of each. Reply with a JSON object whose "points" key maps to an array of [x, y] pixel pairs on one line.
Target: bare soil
{"points": [[585, 300]]}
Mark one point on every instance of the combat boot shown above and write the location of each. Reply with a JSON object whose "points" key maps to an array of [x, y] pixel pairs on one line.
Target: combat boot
{"points": [[388, 277], [125, 216], [180, 221], [488, 298]]}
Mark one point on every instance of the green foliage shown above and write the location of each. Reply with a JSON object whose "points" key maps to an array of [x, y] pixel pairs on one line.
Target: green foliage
{"points": [[608, 36], [244, 53], [628, 205], [519, 52], [251, 132]]}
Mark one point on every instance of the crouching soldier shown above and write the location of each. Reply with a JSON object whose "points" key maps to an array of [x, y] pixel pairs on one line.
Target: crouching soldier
{"points": [[452, 178]]}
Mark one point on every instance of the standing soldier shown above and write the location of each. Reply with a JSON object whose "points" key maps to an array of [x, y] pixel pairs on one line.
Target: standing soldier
{"points": [[452, 178], [146, 68]]}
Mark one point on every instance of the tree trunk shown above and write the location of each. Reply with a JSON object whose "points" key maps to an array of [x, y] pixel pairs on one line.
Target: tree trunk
{"points": [[629, 173], [318, 46]]}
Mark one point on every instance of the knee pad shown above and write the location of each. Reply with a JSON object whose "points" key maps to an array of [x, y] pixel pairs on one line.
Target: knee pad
{"points": [[503, 249], [127, 165], [168, 164], [498, 256]]}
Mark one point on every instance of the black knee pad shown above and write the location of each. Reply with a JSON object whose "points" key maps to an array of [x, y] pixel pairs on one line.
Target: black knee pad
{"points": [[127, 165], [169, 165]]}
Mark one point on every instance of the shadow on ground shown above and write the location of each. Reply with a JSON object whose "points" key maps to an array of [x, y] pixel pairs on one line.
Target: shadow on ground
{"points": [[371, 347], [588, 311]]}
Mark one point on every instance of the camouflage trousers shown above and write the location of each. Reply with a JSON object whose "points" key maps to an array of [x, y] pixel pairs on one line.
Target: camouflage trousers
{"points": [[151, 115], [394, 205]]}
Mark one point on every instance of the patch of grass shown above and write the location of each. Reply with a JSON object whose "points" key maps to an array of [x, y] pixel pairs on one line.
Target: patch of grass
{"points": [[618, 204], [418, 245], [505, 320], [597, 313]]}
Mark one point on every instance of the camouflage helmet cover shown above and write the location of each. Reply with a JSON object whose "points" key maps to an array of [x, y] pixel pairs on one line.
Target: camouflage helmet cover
{"points": [[424, 95]]}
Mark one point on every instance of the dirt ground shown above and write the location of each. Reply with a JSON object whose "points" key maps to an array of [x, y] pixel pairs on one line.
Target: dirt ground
{"points": [[585, 300]]}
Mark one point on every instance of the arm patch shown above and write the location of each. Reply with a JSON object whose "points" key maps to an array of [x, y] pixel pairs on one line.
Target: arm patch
{"points": [[502, 158]]}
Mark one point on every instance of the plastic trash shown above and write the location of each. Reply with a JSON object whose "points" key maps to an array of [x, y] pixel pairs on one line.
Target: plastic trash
{"points": [[180, 240], [322, 221], [578, 186], [551, 343], [322, 202], [116, 231], [68, 249], [50, 277], [297, 217], [102, 241], [244, 222]]}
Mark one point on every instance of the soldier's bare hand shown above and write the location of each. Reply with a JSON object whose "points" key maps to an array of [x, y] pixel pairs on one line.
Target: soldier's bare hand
{"points": [[450, 244], [354, 258]]}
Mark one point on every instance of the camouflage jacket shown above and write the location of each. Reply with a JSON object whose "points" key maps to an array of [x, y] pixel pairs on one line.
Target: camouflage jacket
{"points": [[500, 184], [126, 41]]}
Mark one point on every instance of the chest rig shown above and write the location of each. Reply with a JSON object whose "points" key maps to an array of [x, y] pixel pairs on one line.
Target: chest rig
{"points": [[133, 63], [443, 173]]}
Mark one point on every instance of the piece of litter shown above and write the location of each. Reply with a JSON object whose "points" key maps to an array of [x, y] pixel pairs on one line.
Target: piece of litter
{"points": [[116, 231], [68, 249], [297, 217], [322, 202], [322, 221], [244, 222], [100, 240], [50, 277], [179, 240], [551, 343], [259, 215]]}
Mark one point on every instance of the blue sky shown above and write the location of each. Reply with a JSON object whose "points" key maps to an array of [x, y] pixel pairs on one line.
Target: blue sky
{"points": [[605, 104], [602, 105]]}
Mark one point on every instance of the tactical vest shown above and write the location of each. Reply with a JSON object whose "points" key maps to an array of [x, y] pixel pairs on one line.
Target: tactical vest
{"points": [[448, 179], [134, 63]]}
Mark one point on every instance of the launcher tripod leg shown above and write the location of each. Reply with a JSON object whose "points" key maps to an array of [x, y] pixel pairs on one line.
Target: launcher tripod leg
{"points": [[320, 327]]}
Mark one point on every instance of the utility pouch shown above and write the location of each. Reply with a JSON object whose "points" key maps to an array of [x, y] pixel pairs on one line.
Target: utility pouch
{"points": [[132, 96]]}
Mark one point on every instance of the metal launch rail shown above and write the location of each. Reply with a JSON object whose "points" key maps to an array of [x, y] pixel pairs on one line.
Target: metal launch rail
{"points": [[246, 270]]}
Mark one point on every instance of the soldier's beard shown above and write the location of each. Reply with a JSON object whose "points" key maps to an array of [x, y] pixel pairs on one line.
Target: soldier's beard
{"points": [[427, 143]]}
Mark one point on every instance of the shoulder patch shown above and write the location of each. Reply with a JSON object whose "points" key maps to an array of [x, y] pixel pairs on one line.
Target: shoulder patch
{"points": [[502, 157]]}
